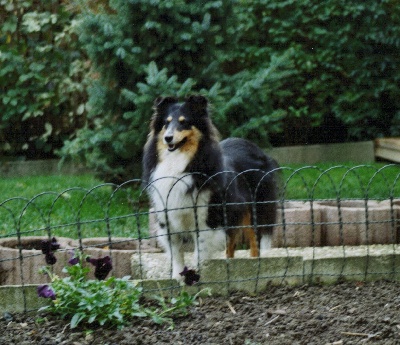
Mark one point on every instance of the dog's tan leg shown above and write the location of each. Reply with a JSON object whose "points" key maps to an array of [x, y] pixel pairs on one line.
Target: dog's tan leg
{"points": [[232, 240], [249, 235]]}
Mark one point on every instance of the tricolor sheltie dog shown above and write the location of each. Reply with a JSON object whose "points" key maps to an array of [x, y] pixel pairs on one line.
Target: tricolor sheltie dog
{"points": [[204, 189]]}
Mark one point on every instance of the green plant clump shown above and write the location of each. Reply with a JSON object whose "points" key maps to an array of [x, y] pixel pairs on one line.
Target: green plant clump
{"points": [[112, 301]]}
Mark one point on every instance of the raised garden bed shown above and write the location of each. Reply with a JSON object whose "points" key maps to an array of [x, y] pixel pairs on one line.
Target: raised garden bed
{"points": [[120, 250], [356, 222], [331, 223], [22, 258], [309, 225], [299, 225]]}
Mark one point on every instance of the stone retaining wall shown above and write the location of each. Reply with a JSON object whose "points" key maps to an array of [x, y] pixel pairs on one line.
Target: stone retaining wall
{"points": [[21, 259], [294, 266], [315, 225]]}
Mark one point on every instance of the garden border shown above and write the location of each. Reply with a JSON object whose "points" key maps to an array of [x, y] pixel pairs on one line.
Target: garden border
{"points": [[292, 266]]}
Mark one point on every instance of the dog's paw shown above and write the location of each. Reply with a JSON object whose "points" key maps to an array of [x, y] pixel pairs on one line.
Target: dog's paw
{"points": [[190, 277]]}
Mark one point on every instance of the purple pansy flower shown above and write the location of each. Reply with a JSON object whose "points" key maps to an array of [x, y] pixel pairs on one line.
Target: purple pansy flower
{"points": [[103, 266], [54, 245], [191, 277], [46, 292], [47, 248], [50, 258], [74, 259], [50, 246]]}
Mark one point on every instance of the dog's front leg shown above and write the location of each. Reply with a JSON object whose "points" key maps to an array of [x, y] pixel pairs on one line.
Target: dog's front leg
{"points": [[177, 256], [172, 244], [202, 249]]}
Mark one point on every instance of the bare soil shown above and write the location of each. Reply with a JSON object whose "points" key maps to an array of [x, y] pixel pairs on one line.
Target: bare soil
{"points": [[347, 313]]}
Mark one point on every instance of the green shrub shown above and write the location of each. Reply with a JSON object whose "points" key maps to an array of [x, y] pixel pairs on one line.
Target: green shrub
{"points": [[143, 49], [346, 61], [41, 72], [286, 72]]}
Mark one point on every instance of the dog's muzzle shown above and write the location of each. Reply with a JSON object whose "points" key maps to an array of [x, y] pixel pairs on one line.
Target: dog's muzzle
{"points": [[171, 145]]}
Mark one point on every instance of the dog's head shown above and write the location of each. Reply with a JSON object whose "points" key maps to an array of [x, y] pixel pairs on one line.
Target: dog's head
{"points": [[180, 126]]}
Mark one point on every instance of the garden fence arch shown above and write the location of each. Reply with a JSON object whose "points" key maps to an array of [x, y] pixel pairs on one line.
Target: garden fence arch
{"points": [[336, 223]]}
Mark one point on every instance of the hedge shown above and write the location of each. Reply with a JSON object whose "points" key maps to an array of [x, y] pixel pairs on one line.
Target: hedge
{"points": [[277, 72]]}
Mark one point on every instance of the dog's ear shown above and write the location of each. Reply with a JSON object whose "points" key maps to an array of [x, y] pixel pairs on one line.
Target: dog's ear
{"points": [[197, 104], [160, 103]]}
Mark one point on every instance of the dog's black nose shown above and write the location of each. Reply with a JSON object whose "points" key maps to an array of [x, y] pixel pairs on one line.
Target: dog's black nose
{"points": [[168, 139]]}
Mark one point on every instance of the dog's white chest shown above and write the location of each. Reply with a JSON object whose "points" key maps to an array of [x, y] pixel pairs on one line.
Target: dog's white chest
{"points": [[173, 192]]}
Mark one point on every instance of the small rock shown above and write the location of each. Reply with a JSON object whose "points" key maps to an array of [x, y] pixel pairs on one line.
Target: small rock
{"points": [[89, 337], [7, 316]]}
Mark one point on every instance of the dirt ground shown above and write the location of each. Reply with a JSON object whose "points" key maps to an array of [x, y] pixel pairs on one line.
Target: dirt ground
{"points": [[347, 313]]}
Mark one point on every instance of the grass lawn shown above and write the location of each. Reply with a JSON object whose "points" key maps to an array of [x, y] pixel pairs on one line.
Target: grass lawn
{"points": [[344, 181], [82, 206], [70, 206]]}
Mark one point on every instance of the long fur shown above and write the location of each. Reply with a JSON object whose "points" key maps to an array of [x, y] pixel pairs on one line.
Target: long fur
{"points": [[203, 188]]}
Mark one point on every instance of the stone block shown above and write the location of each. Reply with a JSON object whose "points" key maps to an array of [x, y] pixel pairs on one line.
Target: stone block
{"points": [[21, 259], [353, 222], [325, 265], [223, 275], [251, 275], [120, 249], [358, 263], [155, 265], [298, 225], [18, 299]]}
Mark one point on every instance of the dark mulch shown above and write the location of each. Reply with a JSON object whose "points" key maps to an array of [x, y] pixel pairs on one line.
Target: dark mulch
{"points": [[347, 313]]}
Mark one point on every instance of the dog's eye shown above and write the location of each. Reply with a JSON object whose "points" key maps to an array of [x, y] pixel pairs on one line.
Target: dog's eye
{"points": [[182, 119]]}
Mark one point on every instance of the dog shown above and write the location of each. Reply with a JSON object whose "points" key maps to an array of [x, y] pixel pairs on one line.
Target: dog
{"points": [[203, 188]]}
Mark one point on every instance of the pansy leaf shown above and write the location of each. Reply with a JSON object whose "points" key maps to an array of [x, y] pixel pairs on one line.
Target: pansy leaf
{"points": [[78, 317]]}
